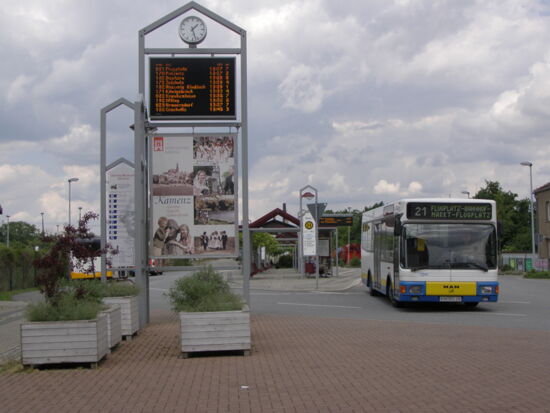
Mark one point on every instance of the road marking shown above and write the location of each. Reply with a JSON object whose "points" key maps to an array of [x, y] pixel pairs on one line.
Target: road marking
{"points": [[159, 289], [319, 305], [515, 302], [504, 314]]}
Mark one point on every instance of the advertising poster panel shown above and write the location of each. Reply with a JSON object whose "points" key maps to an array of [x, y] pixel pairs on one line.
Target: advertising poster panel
{"points": [[121, 213], [194, 197]]}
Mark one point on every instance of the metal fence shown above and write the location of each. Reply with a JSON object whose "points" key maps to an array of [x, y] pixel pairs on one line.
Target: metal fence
{"points": [[16, 269]]}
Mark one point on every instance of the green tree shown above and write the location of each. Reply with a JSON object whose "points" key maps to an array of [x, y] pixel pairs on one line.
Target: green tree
{"points": [[513, 214], [21, 234], [263, 239], [355, 229]]}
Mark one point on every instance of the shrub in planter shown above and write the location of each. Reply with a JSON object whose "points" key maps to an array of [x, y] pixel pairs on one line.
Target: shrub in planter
{"points": [[204, 291], [69, 325], [212, 317]]}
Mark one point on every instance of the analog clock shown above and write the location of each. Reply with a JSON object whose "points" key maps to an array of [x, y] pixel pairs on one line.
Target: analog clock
{"points": [[192, 30]]}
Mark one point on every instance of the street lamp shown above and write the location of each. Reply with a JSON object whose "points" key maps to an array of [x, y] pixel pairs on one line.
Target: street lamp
{"points": [[69, 181], [466, 193], [530, 165], [42, 223]]}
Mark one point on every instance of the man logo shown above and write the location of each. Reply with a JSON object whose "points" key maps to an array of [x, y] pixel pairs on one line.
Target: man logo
{"points": [[309, 225]]}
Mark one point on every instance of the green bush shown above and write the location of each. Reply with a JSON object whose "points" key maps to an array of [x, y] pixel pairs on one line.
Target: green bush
{"points": [[95, 290], [66, 308], [355, 262], [539, 274], [285, 261], [205, 290]]}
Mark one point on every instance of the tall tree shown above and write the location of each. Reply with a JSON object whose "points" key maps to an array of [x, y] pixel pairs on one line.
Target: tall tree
{"points": [[513, 214], [21, 233]]}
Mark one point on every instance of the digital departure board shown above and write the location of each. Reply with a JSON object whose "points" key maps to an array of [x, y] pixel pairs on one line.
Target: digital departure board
{"points": [[336, 221], [449, 211], [192, 88]]}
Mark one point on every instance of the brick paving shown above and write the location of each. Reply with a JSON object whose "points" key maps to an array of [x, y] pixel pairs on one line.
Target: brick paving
{"points": [[303, 364]]}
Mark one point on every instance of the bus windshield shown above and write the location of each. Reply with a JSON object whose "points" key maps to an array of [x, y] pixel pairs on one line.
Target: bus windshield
{"points": [[450, 246]]}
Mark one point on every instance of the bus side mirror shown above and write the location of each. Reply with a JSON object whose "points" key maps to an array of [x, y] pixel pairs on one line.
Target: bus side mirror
{"points": [[397, 227], [500, 229]]}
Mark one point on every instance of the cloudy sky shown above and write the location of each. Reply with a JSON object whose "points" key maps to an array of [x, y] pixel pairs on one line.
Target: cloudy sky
{"points": [[366, 100]]}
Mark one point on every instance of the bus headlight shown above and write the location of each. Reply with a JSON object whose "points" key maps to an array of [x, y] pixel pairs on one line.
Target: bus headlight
{"points": [[415, 289], [486, 289]]}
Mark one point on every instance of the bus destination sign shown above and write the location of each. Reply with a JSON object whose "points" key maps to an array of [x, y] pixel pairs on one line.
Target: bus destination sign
{"points": [[192, 88], [449, 211]]}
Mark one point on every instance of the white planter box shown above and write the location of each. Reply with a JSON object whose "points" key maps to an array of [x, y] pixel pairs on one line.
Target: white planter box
{"points": [[215, 331], [114, 325], [52, 342], [129, 313]]}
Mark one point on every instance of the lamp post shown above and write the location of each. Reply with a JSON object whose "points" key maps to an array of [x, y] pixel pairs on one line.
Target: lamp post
{"points": [[530, 165], [466, 193], [79, 215], [70, 180], [42, 223]]}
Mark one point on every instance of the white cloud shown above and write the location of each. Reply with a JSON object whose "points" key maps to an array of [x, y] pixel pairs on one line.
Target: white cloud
{"points": [[302, 89], [385, 187]]}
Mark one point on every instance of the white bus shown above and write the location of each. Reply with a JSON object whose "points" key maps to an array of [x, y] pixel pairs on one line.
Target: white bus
{"points": [[431, 250]]}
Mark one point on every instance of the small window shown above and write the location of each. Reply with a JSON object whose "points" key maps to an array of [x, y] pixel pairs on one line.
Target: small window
{"points": [[547, 211]]}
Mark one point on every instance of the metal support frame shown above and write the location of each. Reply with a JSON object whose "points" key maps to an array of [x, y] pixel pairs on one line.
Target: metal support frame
{"points": [[103, 176], [141, 135]]}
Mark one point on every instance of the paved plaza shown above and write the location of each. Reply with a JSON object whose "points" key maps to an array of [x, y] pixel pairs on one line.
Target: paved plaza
{"points": [[302, 364]]}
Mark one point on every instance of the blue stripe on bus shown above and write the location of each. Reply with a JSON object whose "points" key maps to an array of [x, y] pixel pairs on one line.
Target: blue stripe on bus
{"points": [[422, 297]]}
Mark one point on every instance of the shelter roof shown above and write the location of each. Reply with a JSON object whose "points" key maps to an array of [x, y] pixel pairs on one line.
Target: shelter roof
{"points": [[268, 220]]}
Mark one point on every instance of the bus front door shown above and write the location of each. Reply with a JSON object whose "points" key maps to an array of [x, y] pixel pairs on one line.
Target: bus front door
{"points": [[377, 256]]}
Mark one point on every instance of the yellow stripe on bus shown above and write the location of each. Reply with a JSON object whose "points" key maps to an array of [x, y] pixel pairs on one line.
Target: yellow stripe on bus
{"points": [[451, 288]]}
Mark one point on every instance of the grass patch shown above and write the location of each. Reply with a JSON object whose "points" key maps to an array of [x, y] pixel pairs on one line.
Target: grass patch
{"points": [[8, 295], [542, 275], [120, 289], [14, 366]]}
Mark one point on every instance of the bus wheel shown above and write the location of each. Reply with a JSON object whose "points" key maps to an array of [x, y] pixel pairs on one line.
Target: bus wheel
{"points": [[372, 291], [391, 297], [471, 304]]}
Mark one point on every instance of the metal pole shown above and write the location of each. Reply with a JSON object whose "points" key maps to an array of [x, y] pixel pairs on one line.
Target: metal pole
{"points": [[42, 223], [140, 253], [532, 211], [244, 136], [103, 190], [69, 202], [300, 240], [337, 256], [316, 242], [349, 236], [79, 214]]}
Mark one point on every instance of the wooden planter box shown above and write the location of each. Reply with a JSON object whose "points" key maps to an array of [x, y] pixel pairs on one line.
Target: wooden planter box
{"points": [[215, 331], [129, 313], [114, 325], [53, 342]]}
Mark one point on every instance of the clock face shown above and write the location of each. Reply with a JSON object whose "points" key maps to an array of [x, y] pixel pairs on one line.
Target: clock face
{"points": [[192, 30]]}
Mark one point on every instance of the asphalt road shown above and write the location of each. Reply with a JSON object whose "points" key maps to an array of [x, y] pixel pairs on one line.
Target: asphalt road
{"points": [[523, 303]]}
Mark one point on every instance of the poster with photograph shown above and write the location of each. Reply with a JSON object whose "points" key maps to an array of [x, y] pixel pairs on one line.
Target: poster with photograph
{"points": [[194, 200]]}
